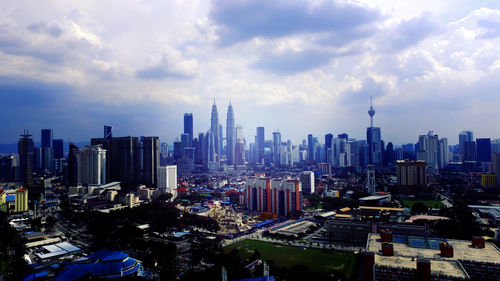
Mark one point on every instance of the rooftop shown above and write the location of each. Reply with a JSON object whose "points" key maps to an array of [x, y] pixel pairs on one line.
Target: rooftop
{"points": [[413, 247], [439, 267]]}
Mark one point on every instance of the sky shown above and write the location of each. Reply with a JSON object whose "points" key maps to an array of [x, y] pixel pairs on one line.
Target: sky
{"points": [[299, 67]]}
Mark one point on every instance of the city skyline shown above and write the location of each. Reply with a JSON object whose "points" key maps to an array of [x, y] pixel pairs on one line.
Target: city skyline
{"points": [[270, 136], [440, 59]]}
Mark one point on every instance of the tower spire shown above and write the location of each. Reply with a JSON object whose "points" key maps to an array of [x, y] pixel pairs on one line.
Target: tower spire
{"points": [[371, 112]]}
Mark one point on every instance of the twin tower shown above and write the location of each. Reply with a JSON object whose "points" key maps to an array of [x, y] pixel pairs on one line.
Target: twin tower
{"points": [[215, 147]]}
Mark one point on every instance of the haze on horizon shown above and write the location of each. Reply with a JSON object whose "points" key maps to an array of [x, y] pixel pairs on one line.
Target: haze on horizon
{"points": [[298, 66]]}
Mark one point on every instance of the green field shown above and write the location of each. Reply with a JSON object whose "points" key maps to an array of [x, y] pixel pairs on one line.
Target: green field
{"points": [[286, 256], [429, 203]]}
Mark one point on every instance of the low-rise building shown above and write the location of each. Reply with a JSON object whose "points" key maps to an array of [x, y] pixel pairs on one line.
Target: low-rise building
{"points": [[392, 257]]}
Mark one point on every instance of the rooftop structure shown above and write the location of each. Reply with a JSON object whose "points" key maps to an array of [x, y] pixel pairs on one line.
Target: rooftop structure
{"points": [[101, 264], [56, 250], [456, 259]]}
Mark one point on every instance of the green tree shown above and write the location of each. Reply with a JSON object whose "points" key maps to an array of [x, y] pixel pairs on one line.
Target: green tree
{"points": [[419, 208]]}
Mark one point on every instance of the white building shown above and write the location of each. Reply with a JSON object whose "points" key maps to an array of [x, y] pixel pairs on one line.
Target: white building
{"points": [[444, 158], [92, 165], [167, 179]]}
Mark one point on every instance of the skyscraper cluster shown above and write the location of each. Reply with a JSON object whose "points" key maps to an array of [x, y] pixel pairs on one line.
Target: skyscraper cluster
{"points": [[138, 159], [210, 150]]}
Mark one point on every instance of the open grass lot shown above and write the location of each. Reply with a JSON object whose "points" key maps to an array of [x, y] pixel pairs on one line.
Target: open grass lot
{"points": [[315, 260], [429, 203]]}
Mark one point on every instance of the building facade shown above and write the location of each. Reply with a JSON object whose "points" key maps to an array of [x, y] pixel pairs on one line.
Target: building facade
{"points": [[91, 165], [307, 181]]}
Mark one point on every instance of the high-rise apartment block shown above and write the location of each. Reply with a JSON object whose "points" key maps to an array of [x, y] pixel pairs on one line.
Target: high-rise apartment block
{"points": [[411, 173], [91, 162], [307, 182], [150, 160], [277, 196], [25, 149], [167, 179]]}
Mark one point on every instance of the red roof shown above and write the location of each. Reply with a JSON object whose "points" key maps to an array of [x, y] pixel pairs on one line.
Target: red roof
{"points": [[22, 189]]}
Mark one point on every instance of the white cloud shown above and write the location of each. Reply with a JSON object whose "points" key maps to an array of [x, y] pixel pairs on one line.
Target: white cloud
{"points": [[319, 71]]}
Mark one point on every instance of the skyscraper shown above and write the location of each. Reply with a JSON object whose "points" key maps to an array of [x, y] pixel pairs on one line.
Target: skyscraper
{"points": [[444, 150], [108, 132], [373, 138], [428, 151], [277, 148], [188, 127], [46, 138], [464, 137], [483, 150], [495, 145], [310, 147], [211, 150], [58, 148], [260, 144], [328, 147], [46, 153], [214, 129], [239, 153], [178, 150], [91, 165], [186, 142], [25, 148], [307, 181], [167, 179], [239, 133], [150, 160], [125, 159], [495, 166], [470, 151], [230, 135], [72, 172]]}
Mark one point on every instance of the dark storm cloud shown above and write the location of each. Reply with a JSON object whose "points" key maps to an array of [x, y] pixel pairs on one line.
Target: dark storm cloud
{"points": [[22, 92], [409, 33], [242, 20], [33, 105], [52, 30]]}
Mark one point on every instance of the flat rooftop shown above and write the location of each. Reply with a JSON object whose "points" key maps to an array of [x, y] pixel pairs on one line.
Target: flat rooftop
{"points": [[439, 267], [462, 249]]}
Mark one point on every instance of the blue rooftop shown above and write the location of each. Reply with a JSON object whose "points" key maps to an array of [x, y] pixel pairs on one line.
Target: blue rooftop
{"points": [[264, 223], [101, 264]]}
